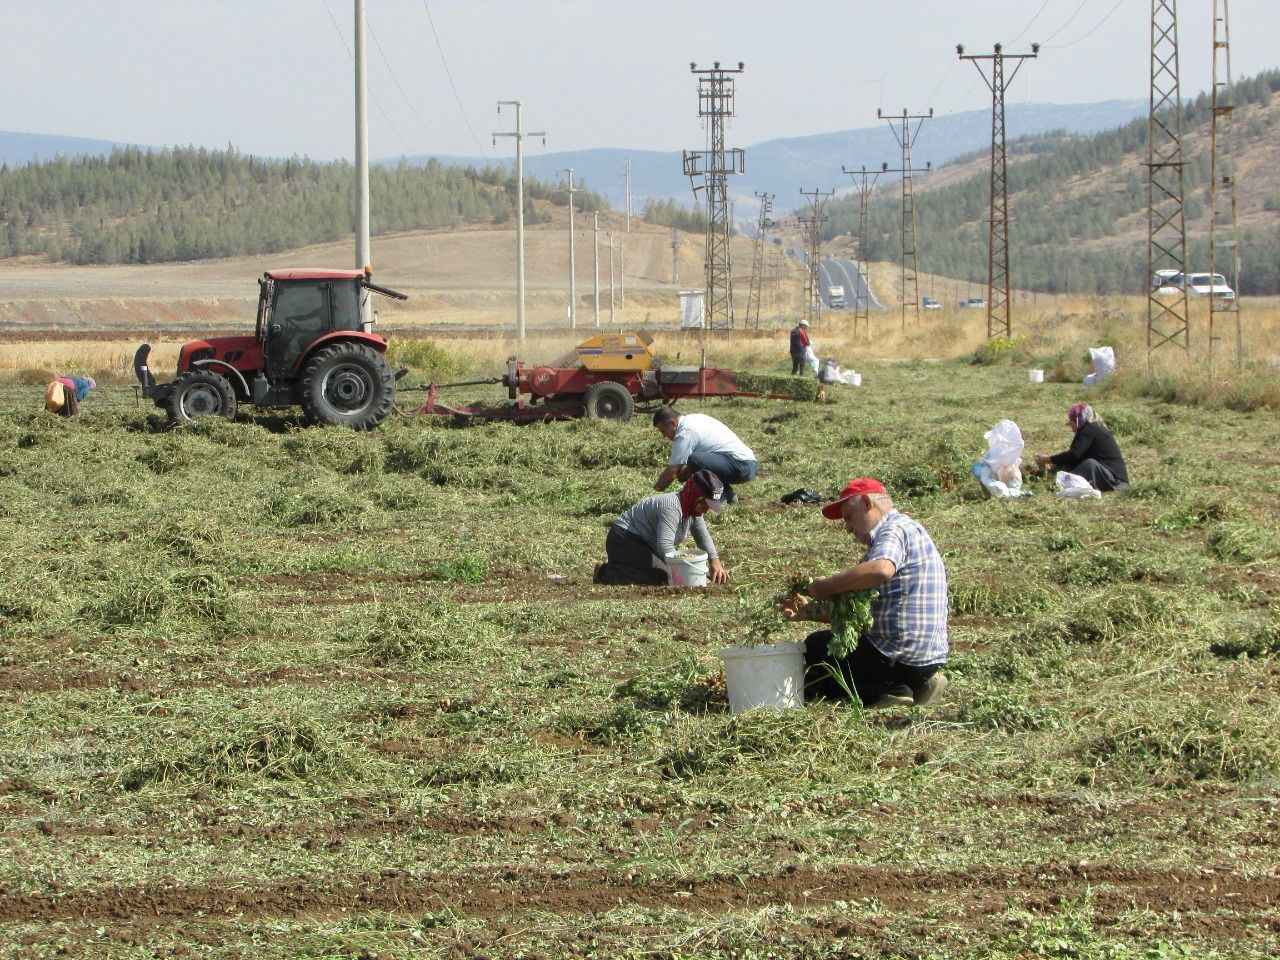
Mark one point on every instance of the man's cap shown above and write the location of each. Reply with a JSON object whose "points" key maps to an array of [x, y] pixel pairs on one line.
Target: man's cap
{"points": [[854, 488], [804, 322], [709, 486]]}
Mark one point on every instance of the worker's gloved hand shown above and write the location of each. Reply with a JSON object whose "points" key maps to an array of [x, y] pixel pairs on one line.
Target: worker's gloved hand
{"points": [[718, 573], [802, 496]]}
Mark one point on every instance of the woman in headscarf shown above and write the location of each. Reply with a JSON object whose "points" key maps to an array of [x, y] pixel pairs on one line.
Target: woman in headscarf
{"points": [[646, 534], [64, 394], [1093, 454]]}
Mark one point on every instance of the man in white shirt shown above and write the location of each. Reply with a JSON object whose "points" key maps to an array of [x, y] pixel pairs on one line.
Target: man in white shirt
{"points": [[699, 442]]}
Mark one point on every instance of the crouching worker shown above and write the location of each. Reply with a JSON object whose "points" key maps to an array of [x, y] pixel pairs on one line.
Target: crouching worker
{"points": [[64, 394], [646, 533], [897, 660], [1093, 454]]}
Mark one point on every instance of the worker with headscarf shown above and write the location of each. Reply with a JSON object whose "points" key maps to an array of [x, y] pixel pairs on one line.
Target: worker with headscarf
{"points": [[641, 540], [64, 394], [1093, 454]]}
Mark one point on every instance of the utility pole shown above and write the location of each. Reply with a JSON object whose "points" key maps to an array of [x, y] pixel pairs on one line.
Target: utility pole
{"points": [[626, 196], [595, 266], [364, 254], [999, 304], [1222, 185], [675, 257], [610, 278], [864, 181], [757, 260], [714, 166], [906, 140], [814, 223], [1167, 318], [622, 273], [519, 134], [573, 272]]}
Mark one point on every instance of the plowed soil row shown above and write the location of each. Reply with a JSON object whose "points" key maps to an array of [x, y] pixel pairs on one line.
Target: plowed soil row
{"points": [[1186, 897]]}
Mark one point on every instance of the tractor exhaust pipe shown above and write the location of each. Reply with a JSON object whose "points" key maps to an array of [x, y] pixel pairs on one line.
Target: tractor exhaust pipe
{"points": [[142, 371]]}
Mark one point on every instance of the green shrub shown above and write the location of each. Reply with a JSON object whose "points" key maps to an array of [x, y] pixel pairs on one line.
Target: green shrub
{"points": [[1000, 350], [465, 568]]}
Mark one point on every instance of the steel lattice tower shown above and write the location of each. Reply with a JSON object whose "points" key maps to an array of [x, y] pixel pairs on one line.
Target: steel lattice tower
{"points": [[1224, 229], [906, 138], [999, 301], [813, 297], [865, 182], [757, 261], [715, 165], [1167, 320]]}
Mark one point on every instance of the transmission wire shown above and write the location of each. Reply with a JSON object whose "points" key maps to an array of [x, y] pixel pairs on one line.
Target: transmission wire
{"points": [[1098, 26], [1031, 22], [449, 73], [352, 57]]}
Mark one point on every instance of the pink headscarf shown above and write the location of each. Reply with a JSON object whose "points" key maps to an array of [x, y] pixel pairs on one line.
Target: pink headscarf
{"points": [[1079, 415]]}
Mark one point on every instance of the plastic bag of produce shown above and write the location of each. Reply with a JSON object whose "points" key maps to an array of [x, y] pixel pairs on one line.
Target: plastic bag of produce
{"points": [[811, 359], [999, 470], [1072, 486], [1103, 360]]}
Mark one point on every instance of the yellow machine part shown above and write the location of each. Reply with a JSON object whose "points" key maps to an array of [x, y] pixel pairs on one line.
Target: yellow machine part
{"points": [[616, 353]]}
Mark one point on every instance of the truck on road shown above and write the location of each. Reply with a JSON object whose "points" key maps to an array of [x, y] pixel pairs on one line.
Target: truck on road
{"points": [[835, 294]]}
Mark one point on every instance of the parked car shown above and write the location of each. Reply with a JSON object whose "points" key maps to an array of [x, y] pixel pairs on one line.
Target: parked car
{"points": [[972, 302], [930, 304], [1210, 285], [1167, 282]]}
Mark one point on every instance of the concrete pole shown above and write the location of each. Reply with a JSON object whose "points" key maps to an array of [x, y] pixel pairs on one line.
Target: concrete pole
{"points": [[364, 256], [519, 136], [628, 198], [610, 278], [595, 236], [573, 272], [675, 261], [622, 271]]}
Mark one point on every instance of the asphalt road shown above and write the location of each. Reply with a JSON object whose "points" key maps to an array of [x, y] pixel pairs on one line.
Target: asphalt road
{"points": [[844, 273]]}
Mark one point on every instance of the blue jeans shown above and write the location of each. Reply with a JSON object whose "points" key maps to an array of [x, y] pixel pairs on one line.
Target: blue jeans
{"points": [[728, 469]]}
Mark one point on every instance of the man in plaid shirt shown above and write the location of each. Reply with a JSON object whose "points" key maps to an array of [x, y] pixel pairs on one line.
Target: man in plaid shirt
{"points": [[898, 660]]}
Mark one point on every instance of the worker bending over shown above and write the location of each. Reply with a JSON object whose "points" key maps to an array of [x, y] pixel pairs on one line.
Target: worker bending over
{"points": [[642, 538], [699, 442], [65, 392], [897, 660]]}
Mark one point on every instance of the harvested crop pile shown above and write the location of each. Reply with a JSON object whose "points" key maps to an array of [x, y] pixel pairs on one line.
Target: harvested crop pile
{"points": [[795, 388]]}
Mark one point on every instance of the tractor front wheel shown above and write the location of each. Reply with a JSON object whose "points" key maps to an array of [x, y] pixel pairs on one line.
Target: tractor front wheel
{"points": [[609, 401], [348, 384], [201, 393]]}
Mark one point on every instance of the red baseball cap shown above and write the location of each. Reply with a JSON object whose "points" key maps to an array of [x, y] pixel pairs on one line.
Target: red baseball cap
{"points": [[854, 488]]}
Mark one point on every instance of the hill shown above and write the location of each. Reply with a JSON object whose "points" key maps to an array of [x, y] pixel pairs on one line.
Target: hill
{"points": [[780, 166], [20, 149], [1078, 205]]}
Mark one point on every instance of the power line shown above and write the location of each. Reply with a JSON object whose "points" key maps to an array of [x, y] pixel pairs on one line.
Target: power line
{"points": [[396, 80], [1098, 26], [1070, 20], [449, 73], [1031, 23], [352, 57]]}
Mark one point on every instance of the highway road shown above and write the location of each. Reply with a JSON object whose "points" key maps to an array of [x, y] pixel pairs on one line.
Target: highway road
{"points": [[833, 271]]}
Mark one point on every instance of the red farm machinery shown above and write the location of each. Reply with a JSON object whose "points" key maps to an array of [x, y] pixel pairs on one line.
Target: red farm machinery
{"points": [[613, 372], [310, 348]]}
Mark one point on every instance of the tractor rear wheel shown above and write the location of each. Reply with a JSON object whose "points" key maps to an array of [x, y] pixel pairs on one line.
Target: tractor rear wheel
{"points": [[201, 393], [348, 384], [609, 401]]}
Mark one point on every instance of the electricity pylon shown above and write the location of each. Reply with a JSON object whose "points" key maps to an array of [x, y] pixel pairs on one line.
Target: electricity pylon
{"points": [[910, 265], [813, 298], [757, 260], [714, 166], [1224, 228], [1167, 319], [864, 181], [999, 303]]}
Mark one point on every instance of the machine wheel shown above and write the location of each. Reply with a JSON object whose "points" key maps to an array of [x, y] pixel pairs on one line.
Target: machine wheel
{"points": [[609, 401], [348, 384], [201, 393]]}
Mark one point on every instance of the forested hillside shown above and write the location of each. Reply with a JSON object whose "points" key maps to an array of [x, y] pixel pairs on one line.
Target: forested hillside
{"points": [[140, 206], [1078, 206]]}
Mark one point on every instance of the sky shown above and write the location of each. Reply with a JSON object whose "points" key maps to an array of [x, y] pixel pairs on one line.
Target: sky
{"points": [[275, 77]]}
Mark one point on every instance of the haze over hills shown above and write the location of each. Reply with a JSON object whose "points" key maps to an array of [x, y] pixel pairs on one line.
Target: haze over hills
{"points": [[779, 166], [782, 166]]}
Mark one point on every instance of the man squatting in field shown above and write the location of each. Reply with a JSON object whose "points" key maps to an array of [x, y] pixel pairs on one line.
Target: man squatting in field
{"points": [[645, 534], [699, 442], [897, 660]]}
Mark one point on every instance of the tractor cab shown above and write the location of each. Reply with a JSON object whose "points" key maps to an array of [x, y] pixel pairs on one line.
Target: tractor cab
{"points": [[296, 308]]}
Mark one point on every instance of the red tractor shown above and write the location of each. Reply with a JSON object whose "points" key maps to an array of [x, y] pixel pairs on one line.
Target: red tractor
{"points": [[309, 348]]}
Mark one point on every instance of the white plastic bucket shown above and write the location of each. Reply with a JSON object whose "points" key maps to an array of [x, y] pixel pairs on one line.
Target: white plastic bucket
{"points": [[688, 569], [1035, 376], [769, 676]]}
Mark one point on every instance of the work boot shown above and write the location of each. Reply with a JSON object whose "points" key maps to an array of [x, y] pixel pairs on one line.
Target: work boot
{"points": [[899, 696], [931, 689]]}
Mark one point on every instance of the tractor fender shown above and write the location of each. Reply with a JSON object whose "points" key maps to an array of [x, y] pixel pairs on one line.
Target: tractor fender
{"points": [[338, 336], [236, 375]]}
